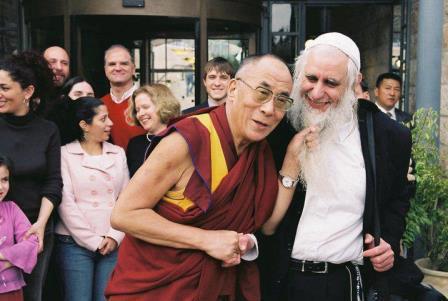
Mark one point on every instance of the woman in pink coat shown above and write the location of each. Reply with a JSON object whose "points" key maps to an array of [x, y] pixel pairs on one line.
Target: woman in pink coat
{"points": [[94, 172]]}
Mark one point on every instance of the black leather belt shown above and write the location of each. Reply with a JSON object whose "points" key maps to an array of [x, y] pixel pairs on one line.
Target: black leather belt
{"points": [[318, 267]]}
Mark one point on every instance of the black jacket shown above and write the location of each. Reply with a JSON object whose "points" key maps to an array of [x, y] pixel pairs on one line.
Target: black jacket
{"points": [[402, 116], [195, 108], [392, 147]]}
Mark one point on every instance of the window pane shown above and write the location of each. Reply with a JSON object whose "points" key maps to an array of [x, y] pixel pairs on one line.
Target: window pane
{"points": [[232, 50], [180, 53], [283, 18], [180, 83], [285, 47], [158, 54]]}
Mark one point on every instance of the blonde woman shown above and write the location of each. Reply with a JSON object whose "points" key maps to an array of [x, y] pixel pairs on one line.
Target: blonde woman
{"points": [[151, 107]]}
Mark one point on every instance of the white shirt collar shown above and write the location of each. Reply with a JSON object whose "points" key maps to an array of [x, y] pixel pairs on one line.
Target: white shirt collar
{"points": [[125, 95], [390, 113], [212, 103]]}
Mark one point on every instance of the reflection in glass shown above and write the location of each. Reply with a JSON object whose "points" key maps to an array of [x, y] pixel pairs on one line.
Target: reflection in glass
{"points": [[180, 53], [158, 54], [285, 47], [232, 50], [396, 47], [169, 55], [181, 84], [282, 18], [396, 38], [172, 54]]}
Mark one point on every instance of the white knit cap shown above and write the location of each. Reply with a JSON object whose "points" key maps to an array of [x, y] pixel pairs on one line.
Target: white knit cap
{"points": [[340, 41]]}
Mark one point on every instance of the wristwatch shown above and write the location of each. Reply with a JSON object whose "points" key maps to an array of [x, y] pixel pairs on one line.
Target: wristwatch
{"points": [[287, 181]]}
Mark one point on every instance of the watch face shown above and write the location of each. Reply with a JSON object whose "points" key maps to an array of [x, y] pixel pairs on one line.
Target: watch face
{"points": [[287, 182]]}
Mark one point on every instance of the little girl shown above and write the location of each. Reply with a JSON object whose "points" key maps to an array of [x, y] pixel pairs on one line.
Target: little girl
{"points": [[17, 252]]}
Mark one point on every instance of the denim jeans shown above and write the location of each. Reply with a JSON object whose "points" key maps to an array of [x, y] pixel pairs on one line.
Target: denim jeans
{"points": [[35, 281], [84, 273]]}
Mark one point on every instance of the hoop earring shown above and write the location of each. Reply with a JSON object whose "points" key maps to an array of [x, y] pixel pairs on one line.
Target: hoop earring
{"points": [[26, 101]]}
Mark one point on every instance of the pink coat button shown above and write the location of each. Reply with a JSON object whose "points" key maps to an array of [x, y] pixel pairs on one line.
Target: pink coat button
{"points": [[95, 204], [93, 192], [110, 191]]}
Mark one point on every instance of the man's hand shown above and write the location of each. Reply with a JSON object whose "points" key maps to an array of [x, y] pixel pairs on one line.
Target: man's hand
{"points": [[381, 256], [222, 245], [308, 137], [245, 244], [312, 138]]}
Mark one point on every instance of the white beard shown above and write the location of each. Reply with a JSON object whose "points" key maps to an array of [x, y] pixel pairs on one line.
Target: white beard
{"points": [[314, 164]]}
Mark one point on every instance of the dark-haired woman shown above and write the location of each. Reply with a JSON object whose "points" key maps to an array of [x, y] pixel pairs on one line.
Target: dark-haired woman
{"points": [[94, 172], [73, 89], [32, 144]]}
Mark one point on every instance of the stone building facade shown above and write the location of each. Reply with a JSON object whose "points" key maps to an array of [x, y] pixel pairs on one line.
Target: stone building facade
{"points": [[9, 28]]}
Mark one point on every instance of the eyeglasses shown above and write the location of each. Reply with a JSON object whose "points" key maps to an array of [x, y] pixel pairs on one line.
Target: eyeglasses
{"points": [[264, 95]]}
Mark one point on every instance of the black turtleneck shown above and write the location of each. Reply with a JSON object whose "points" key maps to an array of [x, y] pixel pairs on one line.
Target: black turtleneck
{"points": [[33, 145], [137, 152]]}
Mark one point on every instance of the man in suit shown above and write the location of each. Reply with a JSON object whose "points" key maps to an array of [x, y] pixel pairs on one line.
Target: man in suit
{"points": [[216, 78], [388, 93], [324, 247]]}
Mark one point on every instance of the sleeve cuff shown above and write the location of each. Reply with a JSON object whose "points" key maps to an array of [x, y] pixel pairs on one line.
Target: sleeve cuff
{"points": [[252, 254], [116, 235]]}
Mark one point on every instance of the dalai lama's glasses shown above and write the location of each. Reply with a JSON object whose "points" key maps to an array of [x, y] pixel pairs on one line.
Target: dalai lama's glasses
{"points": [[264, 95]]}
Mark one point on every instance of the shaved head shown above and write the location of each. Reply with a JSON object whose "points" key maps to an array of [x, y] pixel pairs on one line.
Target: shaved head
{"points": [[253, 60], [59, 62]]}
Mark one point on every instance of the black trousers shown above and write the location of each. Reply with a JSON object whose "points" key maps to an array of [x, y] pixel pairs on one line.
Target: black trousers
{"points": [[336, 285]]}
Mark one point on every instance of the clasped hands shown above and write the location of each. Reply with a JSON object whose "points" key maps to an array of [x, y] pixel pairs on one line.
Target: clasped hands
{"points": [[227, 246]]}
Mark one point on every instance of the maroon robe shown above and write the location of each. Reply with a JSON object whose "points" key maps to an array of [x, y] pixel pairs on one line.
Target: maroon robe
{"points": [[242, 202]]}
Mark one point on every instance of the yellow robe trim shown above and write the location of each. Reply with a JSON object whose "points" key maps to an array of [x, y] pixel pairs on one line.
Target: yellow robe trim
{"points": [[218, 164], [177, 198]]}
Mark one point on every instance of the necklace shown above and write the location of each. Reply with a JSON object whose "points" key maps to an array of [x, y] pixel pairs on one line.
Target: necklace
{"points": [[148, 147]]}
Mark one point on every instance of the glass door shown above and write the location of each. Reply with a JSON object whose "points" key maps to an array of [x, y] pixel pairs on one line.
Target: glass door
{"points": [[172, 64]]}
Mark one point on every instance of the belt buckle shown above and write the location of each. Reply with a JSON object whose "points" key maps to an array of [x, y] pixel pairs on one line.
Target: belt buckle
{"points": [[303, 265], [325, 271]]}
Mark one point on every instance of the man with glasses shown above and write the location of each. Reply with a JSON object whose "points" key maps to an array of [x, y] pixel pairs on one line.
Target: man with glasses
{"points": [[212, 181], [348, 213]]}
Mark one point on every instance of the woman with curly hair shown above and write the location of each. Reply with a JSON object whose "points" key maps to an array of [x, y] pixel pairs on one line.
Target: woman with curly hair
{"points": [[33, 145]]}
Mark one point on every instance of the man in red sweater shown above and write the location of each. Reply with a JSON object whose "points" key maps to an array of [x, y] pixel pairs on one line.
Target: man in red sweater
{"points": [[119, 69]]}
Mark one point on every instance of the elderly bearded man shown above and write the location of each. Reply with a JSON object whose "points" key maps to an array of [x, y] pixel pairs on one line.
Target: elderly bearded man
{"points": [[211, 179], [360, 163]]}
